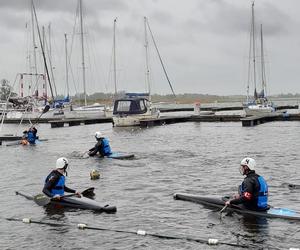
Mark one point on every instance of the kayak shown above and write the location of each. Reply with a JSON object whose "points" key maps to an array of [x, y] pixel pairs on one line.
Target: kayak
{"points": [[293, 186], [75, 202], [272, 212], [83, 203], [120, 155], [14, 143]]}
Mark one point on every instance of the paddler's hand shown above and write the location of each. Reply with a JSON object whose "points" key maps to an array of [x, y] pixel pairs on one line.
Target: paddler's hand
{"points": [[78, 194], [227, 203], [56, 197]]}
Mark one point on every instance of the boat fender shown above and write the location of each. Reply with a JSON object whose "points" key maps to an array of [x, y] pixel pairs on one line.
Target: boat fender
{"points": [[141, 232], [26, 220], [81, 226], [213, 241]]}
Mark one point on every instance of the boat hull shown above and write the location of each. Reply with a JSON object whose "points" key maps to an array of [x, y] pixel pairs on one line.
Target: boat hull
{"points": [[273, 212], [120, 156], [257, 110], [83, 203], [132, 120]]}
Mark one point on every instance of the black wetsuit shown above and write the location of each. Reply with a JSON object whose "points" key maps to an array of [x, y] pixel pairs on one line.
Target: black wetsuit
{"points": [[51, 181], [250, 192]]}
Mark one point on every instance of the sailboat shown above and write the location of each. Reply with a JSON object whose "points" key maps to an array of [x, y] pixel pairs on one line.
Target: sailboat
{"points": [[96, 109], [260, 104], [130, 109]]}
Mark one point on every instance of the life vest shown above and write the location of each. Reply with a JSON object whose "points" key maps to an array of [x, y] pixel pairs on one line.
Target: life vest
{"points": [[262, 195], [105, 149], [59, 187], [262, 199], [31, 137]]}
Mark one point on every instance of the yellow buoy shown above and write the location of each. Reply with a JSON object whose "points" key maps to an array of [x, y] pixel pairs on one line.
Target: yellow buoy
{"points": [[94, 174]]}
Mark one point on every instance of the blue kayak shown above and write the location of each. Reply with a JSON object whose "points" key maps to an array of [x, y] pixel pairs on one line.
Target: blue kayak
{"points": [[273, 212], [120, 155]]}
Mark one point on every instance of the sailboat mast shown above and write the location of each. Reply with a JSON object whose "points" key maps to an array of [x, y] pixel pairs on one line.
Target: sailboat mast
{"points": [[115, 60], [147, 58], [33, 42], [253, 48], [82, 52], [160, 59], [67, 73], [263, 72]]}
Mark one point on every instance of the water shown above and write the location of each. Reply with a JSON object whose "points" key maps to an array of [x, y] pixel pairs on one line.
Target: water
{"points": [[200, 158]]}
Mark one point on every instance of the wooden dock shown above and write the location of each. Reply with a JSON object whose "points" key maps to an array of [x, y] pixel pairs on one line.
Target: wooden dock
{"points": [[260, 119], [79, 121], [189, 118]]}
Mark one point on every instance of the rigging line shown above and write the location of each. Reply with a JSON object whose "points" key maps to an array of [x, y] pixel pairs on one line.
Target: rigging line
{"points": [[138, 232], [160, 58], [43, 52], [71, 48], [48, 49]]}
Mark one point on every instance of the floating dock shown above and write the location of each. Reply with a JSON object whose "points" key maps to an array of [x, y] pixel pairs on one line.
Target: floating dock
{"points": [[269, 117], [78, 121]]}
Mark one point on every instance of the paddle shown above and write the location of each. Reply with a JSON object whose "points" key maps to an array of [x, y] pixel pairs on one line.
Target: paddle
{"points": [[85, 154], [42, 199], [45, 110], [223, 209]]}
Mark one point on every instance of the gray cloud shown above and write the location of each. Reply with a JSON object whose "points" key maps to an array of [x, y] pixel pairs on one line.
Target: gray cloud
{"points": [[204, 43]]}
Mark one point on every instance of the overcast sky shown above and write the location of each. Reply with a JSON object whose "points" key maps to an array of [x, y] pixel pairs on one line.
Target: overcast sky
{"points": [[204, 44]]}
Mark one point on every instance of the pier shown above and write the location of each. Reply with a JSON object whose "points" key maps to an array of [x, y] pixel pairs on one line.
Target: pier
{"points": [[78, 121], [260, 119]]}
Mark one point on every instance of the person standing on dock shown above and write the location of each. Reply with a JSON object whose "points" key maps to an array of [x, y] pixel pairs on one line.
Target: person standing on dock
{"points": [[253, 192], [55, 182], [102, 146]]}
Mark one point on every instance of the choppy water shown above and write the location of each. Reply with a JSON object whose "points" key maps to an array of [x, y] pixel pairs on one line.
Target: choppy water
{"points": [[200, 158]]}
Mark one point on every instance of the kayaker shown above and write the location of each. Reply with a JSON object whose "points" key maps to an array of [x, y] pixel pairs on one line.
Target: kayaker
{"points": [[102, 146], [55, 182], [253, 192], [29, 136]]}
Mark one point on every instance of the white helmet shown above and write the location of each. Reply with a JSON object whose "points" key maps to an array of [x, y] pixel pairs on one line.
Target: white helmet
{"points": [[98, 135], [249, 162], [61, 163]]}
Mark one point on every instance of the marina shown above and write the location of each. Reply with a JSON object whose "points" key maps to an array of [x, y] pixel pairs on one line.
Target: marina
{"points": [[149, 125]]}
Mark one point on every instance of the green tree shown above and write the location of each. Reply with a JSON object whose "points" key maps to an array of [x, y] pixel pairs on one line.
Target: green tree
{"points": [[6, 90]]}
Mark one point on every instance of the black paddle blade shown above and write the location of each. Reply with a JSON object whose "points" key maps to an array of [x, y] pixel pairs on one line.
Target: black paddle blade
{"points": [[41, 199], [46, 109], [88, 192]]}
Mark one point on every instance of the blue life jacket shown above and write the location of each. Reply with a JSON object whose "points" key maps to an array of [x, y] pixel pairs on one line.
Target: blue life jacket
{"points": [[59, 187], [31, 137], [105, 149], [262, 199]]}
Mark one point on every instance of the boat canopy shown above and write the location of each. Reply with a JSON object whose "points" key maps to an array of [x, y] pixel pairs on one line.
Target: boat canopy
{"points": [[131, 106]]}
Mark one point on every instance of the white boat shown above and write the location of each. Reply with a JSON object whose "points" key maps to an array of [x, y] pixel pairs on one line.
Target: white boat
{"points": [[260, 104], [133, 108]]}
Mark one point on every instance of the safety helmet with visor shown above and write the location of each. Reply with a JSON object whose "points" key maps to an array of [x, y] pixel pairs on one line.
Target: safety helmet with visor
{"points": [[98, 135], [247, 162], [62, 163]]}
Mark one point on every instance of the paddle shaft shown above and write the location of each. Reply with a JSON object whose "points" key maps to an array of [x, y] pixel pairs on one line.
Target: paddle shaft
{"points": [[46, 109], [43, 200]]}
